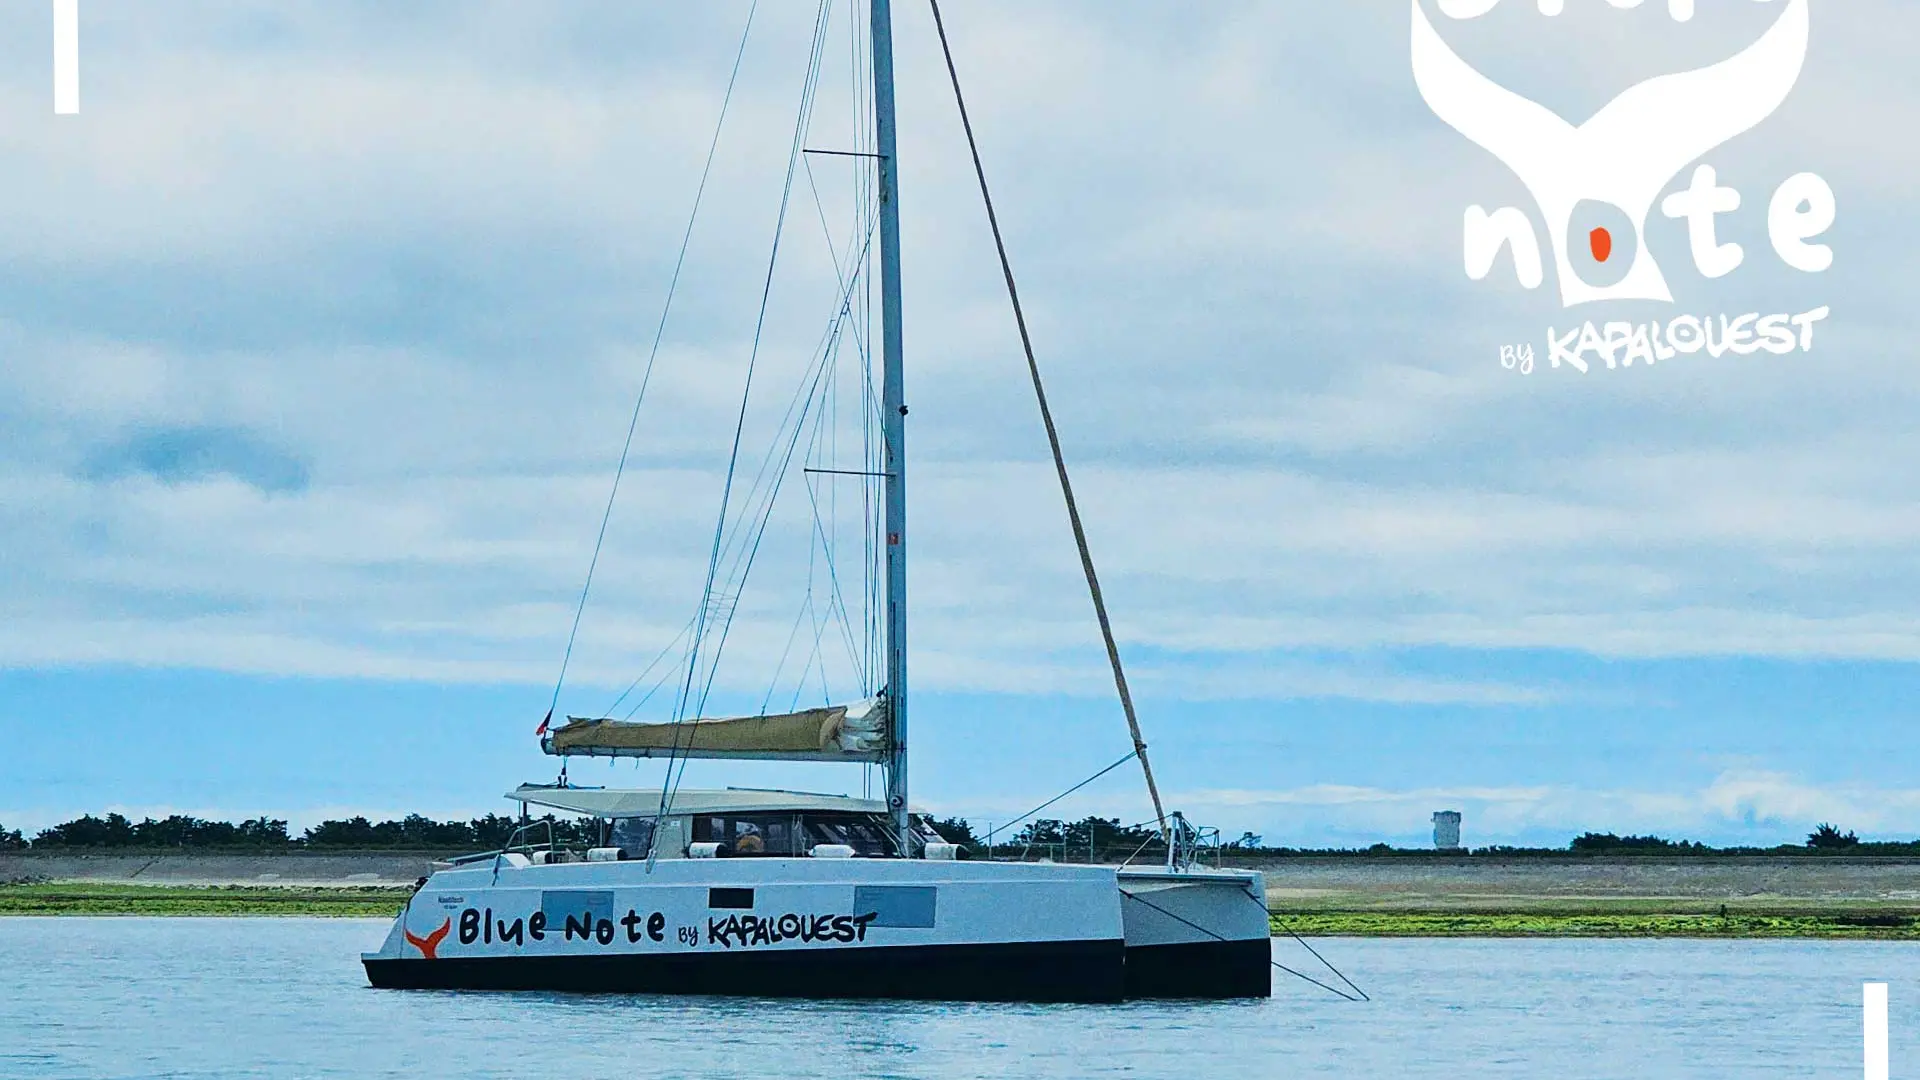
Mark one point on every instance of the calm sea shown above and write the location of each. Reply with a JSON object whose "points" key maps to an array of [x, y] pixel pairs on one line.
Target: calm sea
{"points": [[285, 998]]}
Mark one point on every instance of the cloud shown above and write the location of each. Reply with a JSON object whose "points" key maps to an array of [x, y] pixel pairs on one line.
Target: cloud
{"points": [[350, 307], [186, 454], [1737, 806]]}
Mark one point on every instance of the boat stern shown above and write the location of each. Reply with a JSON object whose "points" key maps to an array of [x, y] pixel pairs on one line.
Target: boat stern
{"points": [[1196, 934]]}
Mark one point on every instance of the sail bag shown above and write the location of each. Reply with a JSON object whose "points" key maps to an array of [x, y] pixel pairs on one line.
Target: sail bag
{"points": [[854, 732]]}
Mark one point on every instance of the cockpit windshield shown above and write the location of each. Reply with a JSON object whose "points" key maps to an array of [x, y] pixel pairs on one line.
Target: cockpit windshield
{"points": [[797, 834]]}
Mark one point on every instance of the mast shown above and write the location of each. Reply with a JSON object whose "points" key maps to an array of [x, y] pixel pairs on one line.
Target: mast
{"points": [[893, 422]]}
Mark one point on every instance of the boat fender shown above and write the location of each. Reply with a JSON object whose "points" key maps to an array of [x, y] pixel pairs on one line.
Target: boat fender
{"points": [[705, 850], [603, 854], [938, 850], [831, 851]]}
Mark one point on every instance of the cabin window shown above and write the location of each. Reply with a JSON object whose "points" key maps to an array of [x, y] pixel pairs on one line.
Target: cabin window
{"points": [[749, 835], [859, 832], [790, 835], [633, 836]]}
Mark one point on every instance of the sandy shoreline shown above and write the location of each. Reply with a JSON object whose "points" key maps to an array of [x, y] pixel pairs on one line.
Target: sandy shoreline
{"points": [[1618, 883]]}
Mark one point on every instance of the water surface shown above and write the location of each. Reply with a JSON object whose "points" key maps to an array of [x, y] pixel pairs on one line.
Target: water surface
{"points": [[203, 998]]}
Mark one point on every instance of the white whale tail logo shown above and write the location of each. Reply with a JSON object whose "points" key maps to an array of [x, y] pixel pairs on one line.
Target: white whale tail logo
{"points": [[1628, 152]]}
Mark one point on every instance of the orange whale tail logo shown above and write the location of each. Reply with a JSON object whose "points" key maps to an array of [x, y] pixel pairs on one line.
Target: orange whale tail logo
{"points": [[431, 943]]}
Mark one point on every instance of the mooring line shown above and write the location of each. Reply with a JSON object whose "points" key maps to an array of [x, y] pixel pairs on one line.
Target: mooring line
{"points": [[1316, 953], [1334, 990]]}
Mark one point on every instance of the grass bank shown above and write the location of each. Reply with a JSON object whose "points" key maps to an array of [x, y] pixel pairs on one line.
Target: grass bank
{"points": [[1644, 920], [1612, 924], [91, 898]]}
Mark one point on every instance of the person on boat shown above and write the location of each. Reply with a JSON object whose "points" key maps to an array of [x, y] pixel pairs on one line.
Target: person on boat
{"points": [[750, 844]]}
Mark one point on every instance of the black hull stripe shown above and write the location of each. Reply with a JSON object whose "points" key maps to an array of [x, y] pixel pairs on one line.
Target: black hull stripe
{"points": [[1027, 971], [1201, 969]]}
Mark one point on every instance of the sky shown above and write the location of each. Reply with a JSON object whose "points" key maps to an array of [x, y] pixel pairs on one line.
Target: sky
{"points": [[322, 324]]}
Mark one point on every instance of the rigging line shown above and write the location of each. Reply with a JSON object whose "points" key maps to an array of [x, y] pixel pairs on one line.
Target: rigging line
{"points": [[813, 658], [754, 524], [806, 608], [862, 213], [648, 696], [833, 253], [800, 687], [827, 699], [743, 558], [802, 396], [813, 620], [756, 505], [827, 543], [837, 600], [766, 292], [743, 541], [864, 125], [655, 662], [820, 211], [829, 424], [753, 355], [858, 72], [792, 633], [1336, 991], [1136, 851], [826, 695], [1124, 758], [1053, 435], [646, 377], [833, 578], [755, 501], [870, 520], [665, 674], [821, 354], [746, 557]]}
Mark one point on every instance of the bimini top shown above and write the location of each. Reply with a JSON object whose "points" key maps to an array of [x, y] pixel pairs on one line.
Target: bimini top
{"points": [[856, 732], [629, 802]]}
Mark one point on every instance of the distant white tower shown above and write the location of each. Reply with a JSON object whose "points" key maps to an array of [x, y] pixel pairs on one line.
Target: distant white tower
{"points": [[1446, 830]]}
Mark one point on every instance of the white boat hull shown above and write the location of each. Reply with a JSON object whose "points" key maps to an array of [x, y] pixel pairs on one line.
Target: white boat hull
{"points": [[832, 928]]}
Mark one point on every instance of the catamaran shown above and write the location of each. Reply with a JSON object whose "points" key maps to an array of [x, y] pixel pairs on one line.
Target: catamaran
{"points": [[781, 893]]}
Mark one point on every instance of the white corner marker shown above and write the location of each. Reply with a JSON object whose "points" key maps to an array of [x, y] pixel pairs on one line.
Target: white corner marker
{"points": [[66, 57], [1874, 1005]]}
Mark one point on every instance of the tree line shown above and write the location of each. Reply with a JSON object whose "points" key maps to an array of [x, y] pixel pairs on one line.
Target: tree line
{"points": [[418, 831], [1096, 838], [1106, 838], [272, 834]]}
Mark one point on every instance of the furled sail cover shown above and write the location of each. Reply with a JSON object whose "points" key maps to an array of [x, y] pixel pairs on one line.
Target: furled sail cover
{"points": [[856, 732]]}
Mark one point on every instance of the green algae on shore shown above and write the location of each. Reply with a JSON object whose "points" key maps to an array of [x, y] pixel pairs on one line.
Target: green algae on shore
{"points": [[1482, 924]]}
